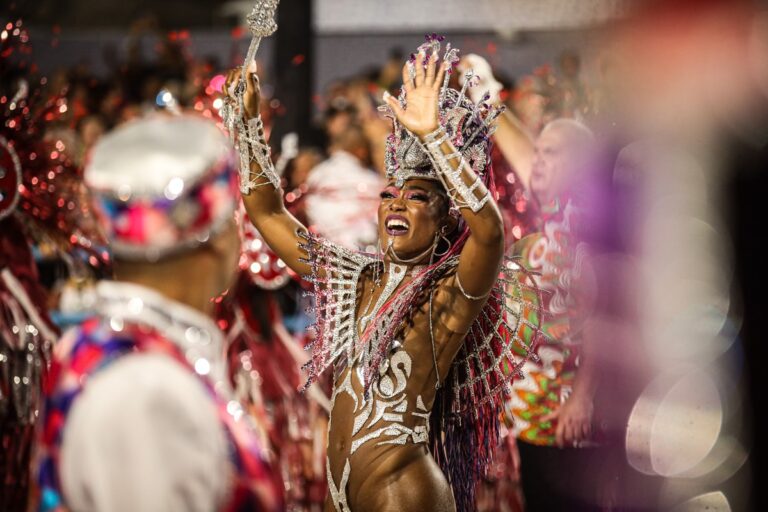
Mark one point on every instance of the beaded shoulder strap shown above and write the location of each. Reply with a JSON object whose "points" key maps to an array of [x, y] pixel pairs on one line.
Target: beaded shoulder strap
{"points": [[500, 340], [334, 276]]}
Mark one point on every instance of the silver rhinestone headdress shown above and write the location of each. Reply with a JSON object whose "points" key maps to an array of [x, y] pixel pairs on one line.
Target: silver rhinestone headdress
{"points": [[467, 124]]}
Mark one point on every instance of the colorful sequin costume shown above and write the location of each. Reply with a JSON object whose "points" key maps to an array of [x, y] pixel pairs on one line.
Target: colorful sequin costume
{"points": [[554, 254], [141, 415]]}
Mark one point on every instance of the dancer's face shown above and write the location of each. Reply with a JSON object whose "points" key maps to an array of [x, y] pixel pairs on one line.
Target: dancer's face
{"points": [[410, 217]]}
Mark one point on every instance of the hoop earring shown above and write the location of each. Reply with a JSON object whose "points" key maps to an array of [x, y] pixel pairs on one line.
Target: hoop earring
{"points": [[441, 236]]}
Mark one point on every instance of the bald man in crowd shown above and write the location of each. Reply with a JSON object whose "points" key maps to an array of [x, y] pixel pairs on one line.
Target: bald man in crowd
{"points": [[551, 407]]}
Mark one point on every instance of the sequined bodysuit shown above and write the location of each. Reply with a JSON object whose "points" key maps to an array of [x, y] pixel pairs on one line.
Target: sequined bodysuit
{"points": [[375, 438], [394, 334]]}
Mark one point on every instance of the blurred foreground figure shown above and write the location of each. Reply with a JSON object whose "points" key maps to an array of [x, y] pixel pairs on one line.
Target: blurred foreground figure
{"points": [[694, 180], [140, 414], [41, 202]]}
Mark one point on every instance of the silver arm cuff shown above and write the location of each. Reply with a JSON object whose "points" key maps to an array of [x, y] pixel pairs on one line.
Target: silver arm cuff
{"points": [[250, 142], [463, 195], [253, 147]]}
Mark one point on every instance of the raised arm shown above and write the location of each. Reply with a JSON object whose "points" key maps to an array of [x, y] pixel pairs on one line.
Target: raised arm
{"points": [[516, 144], [263, 199], [513, 139], [480, 259]]}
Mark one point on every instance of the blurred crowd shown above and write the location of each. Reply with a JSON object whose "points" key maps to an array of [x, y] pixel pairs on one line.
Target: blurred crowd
{"points": [[611, 189]]}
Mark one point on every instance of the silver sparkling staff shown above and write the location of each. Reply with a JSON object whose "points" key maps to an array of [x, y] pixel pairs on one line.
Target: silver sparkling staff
{"points": [[248, 136]]}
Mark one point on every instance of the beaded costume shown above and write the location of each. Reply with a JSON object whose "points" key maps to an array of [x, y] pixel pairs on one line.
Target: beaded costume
{"points": [[372, 361], [369, 351]]}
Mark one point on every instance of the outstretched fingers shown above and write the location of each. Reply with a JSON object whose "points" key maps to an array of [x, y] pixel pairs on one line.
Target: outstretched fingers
{"points": [[419, 81], [440, 75], [431, 68], [407, 78]]}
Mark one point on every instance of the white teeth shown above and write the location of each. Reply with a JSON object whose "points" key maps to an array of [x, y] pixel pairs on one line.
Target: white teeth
{"points": [[397, 223]]}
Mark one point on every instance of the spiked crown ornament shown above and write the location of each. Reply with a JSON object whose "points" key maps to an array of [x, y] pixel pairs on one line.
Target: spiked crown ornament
{"points": [[468, 125]]}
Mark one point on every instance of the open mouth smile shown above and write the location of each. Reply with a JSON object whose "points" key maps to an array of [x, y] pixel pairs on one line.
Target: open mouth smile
{"points": [[396, 225]]}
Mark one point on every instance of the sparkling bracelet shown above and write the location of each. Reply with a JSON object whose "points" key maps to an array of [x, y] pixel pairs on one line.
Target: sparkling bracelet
{"points": [[436, 137], [467, 295], [463, 195], [253, 147], [250, 142]]}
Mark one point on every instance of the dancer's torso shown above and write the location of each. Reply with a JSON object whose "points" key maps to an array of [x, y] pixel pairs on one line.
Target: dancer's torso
{"points": [[378, 457]]}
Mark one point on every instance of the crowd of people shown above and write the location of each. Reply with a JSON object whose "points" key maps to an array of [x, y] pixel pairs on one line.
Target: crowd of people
{"points": [[171, 263]]}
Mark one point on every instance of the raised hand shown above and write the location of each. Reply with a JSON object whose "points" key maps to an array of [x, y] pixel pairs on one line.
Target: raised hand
{"points": [[252, 94], [420, 115]]}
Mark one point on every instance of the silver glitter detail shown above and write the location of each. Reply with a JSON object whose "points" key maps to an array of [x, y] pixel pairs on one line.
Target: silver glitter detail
{"points": [[335, 274], [395, 275], [338, 494], [462, 119], [463, 195], [261, 20], [248, 137], [493, 351], [384, 410], [467, 295]]}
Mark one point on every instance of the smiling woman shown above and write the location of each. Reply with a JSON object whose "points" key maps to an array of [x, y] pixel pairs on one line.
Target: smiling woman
{"points": [[409, 218], [424, 336]]}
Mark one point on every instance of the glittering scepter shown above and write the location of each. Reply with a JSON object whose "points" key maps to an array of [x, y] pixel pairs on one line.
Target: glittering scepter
{"points": [[248, 136]]}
